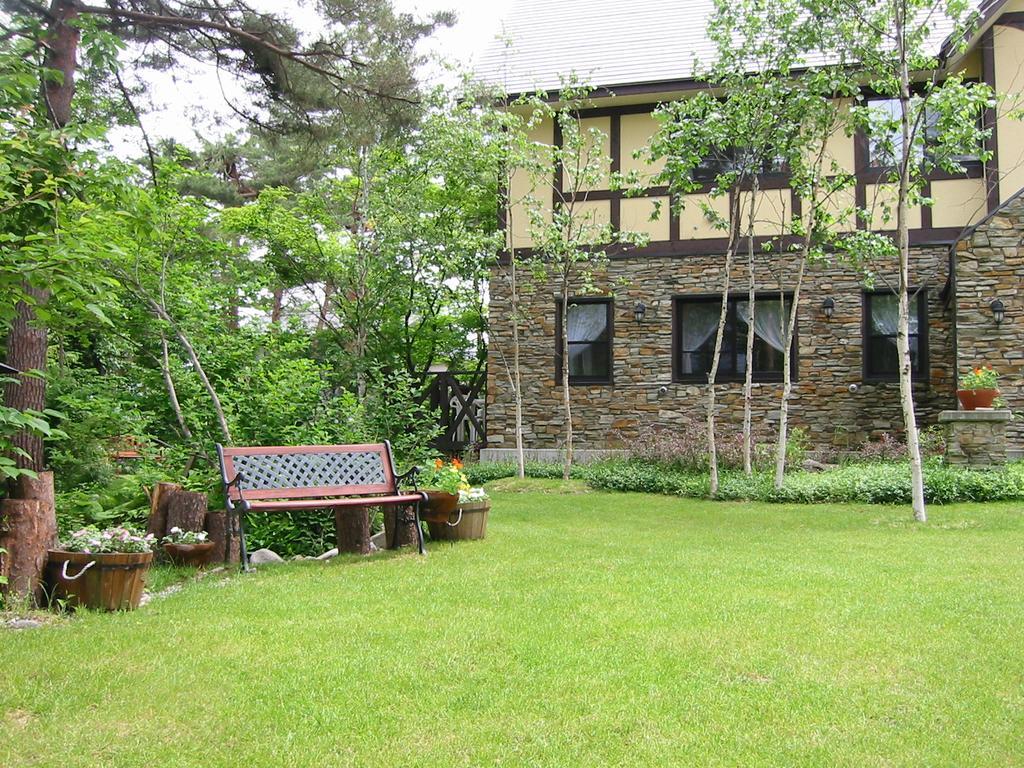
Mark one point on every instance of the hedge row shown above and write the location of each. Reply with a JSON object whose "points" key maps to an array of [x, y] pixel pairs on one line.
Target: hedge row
{"points": [[869, 483]]}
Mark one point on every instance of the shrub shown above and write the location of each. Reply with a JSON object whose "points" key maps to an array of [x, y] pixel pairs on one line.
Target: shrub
{"points": [[879, 483], [684, 446]]}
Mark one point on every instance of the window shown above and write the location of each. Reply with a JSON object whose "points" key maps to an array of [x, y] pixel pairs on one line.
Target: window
{"points": [[885, 140], [733, 159], [696, 324], [589, 335], [931, 137], [881, 316]]}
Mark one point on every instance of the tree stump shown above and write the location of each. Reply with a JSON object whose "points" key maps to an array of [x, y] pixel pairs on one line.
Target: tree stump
{"points": [[352, 529], [41, 489], [185, 509], [157, 524], [26, 532], [226, 545], [396, 533]]}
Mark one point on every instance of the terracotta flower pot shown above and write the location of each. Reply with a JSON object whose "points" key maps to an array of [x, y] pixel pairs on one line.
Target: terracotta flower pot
{"points": [[192, 555], [972, 399], [468, 522], [110, 581], [439, 507]]}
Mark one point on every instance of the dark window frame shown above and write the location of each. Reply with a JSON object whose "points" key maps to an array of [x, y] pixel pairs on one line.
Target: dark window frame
{"points": [[870, 377], [609, 303], [971, 165], [735, 297]]}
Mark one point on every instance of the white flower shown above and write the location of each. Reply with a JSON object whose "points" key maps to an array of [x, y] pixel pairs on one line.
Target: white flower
{"points": [[175, 529]]}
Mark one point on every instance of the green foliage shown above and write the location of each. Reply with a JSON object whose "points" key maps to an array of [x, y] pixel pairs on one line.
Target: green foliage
{"points": [[13, 421], [880, 483], [304, 532], [121, 500]]}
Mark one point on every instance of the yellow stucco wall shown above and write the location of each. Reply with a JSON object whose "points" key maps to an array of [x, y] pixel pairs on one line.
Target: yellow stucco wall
{"points": [[635, 216], [595, 151], [773, 210], [1009, 71], [635, 135], [958, 202], [880, 201], [523, 185], [590, 215], [693, 224]]}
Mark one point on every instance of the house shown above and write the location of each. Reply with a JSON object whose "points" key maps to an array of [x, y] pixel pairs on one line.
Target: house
{"points": [[631, 369]]}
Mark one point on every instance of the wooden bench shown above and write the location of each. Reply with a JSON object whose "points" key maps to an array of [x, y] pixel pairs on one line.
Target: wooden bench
{"points": [[270, 478]]}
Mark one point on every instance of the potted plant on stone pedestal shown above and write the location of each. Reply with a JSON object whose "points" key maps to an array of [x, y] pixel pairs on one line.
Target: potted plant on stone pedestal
{"points": [[100, 569], [978, 388]]}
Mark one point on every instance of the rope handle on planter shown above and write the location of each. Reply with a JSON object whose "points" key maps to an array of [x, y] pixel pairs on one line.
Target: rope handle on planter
{"points": [[457, 520], [64, 570]]}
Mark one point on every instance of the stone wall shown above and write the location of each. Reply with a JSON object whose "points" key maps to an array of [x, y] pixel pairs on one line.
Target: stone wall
{"points": [[643, 392], [990, 265]]}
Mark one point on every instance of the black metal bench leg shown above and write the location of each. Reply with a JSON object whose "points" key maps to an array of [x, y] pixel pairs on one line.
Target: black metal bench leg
{"points": [[243, 549], [419, 527]]}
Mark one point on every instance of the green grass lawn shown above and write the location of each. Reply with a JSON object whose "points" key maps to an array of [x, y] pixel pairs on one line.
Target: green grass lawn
{"points": [[588, 629]]}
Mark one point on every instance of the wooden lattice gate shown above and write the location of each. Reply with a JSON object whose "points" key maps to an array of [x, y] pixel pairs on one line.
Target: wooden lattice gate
{"points": [[459, 398]]}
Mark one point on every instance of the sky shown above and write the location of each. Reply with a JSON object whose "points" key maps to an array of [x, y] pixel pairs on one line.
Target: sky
{"points": [[179, 107]]}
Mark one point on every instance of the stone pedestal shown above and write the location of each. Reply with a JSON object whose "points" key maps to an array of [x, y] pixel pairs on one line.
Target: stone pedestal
{"points": [[976, 438]]}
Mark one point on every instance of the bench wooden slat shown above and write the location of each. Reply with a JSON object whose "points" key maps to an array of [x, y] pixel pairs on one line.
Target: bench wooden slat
{"points": [[346, 501]]}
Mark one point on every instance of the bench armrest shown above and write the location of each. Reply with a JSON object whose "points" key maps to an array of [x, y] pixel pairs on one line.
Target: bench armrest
{"points": [[237, 481], [410, 476]]}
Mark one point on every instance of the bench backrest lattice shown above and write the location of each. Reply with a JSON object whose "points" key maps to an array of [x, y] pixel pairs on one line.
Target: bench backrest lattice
{"points": [[273, 472]]}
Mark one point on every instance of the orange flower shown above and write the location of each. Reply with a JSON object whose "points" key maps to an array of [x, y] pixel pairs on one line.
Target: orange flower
{"points": [[456, 463], [977, 370], [438, 463]]}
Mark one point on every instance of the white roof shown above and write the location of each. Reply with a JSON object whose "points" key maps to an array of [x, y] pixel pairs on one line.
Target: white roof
{"points": [[606, 43]]}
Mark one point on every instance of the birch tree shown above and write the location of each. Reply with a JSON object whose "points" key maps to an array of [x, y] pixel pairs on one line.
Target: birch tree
{"points": [[935, 124], [569, 237]]}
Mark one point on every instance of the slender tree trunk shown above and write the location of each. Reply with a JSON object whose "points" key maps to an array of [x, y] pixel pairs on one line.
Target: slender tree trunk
{"points": [[903, 329], [193, 357], [787, 375], [362, 207], [172, 392], [748, 380], [566, 392], [277, 307], [719, 336], [26, 351], [321, 321], [517, 380]]}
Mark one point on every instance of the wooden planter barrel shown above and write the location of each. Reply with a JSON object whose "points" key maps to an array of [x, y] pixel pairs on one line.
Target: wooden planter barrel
{"points": [[190, 555], [110, 581], [439, 507], [471, 525]]}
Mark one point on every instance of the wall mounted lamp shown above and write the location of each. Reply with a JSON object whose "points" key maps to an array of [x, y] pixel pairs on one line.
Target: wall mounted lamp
{"points": [[639, 311], [828, 306], [998, 310]]}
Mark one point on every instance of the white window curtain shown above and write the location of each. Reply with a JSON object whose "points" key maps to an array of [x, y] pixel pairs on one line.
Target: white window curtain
{"points": [[587, 322], [768, 322], [700, 321], [885, 315]]}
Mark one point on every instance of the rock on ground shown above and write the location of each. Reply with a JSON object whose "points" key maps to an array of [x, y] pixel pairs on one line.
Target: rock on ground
{"points": [[265, 557]]}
